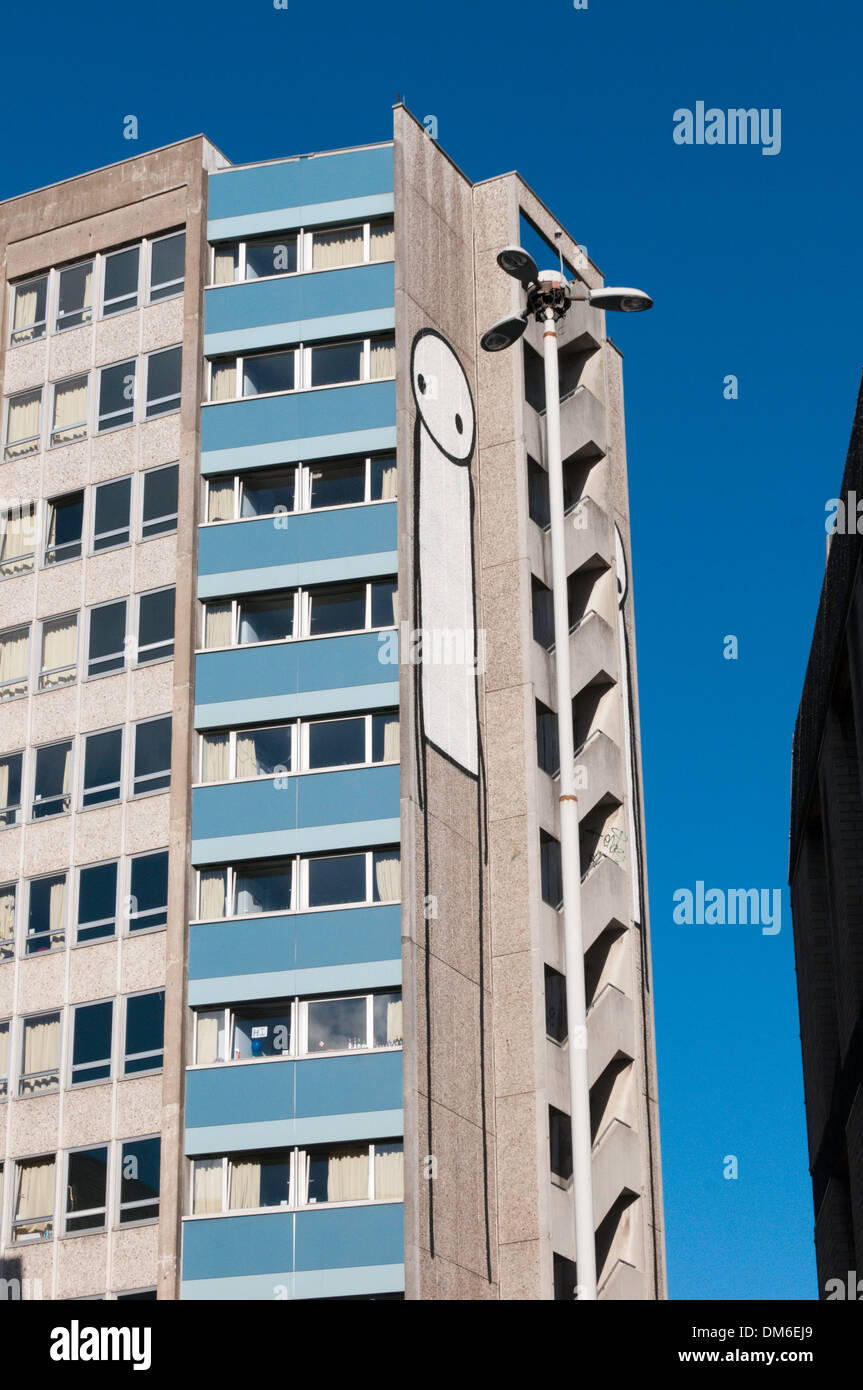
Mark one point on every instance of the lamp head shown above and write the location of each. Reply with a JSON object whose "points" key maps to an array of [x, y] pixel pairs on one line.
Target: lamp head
{"points": [[518, 263], [504, 333], [626, 300]]}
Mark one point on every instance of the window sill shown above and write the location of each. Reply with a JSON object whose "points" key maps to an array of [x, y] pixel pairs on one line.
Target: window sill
{"points": [[288, 641], [300, 511], [295, 274], [301, 772], [293, 1057], [299, 390], [306, 1206], [293, 912]]}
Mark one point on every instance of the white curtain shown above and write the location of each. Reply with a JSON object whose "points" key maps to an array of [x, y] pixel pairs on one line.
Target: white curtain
{"points": [[245, 1186], [388, 878], [57, 911], [220, 500], [382, 241], [13, 662], [247, 758], [25, 312], [224, 265], [383, 358], [34, 1195], [391, 739], [70, 411], [19, 541], [42, 1050], [388, 483], [215, 763], [208, 1030], [332, 249], [217, 625], [395, 1021], [59, 641], [25, 415], [4, 1052], [389, 1175], [212, 893], [7, 921], [207, 1187], [223, 385], [348, 1176]]}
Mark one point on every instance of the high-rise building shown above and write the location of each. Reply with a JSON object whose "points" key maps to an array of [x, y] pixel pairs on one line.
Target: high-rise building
{"points": [[282, 1008], [826, 898]]}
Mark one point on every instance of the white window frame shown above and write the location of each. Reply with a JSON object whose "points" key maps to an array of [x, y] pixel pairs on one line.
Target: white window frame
{"points": [[165, 656], [83, 425], [34, 440], [99, 427], [147, 776], [232, 753], [57, 670], [10, 949], [59, 272], [5, 1024], [48, 507], [61, 932], [5, 810], [154, 520], [127, 644], [97, 921], [39, 323], [71, 1083], [123, 1057], [119, 1206], [118, 784], [159, 400], [118, 530], [49, 1218], [37, 1075], [26, 677], [16, 511], [149, 243], [105, 257], [65, 1214], [31, 781], [128, 915]]}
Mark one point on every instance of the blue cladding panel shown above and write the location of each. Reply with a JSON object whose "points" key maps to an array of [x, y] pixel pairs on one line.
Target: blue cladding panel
{"points": [[304, 539], [343, 1237], [295, 803], [327, 663], [297, 300], [292, 183], [352, 1239], [305, 941], [292, 1090]]}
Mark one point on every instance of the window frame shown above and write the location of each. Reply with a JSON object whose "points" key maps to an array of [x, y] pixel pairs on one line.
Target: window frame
{"points": [[34, 440], [117, 784], [71, 667], [86, 310], [143, 523], [49, 1218], [96, 921], [83, 424], [49, 508], [26, 679], [149, 412], [111, 415], [21, 285], [65, 1214], [16, 511], [51, 1072], [12, 807], [299, 883], [124, 1056], [119, 1206], [108, 1061], [304, 236], [165, 642], [110, 656], [128, 915], [134, 777], [124, 532], [107, 256], [61, 932], [150, 242], [34, 770]]}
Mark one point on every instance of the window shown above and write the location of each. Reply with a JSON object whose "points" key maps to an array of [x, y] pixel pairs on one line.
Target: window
{"points": [[145, 1019], [210, 1037], [14, 657], [106, 650], [139, 1182], [74, 296], [69, 414], [92, 1033], [86, 1190], [4, 1078], [268, 372], [550, 870], [103, 768], [7, 921], [28, 313], [336, 362], [261, 1032], [543, 613], [555, 1005], [226, 264], [40, 1055], [382, 241], [120, 291], [371, 1020], [271, 257], [155, 626], [148, 891], [537, 494], [167, 262], [58, 664], [354, 1173], [384, 607], [264, 887], [23, 424], [116, 396], [97, 902], [560, 1144], [159, 501], [46, 914], [33, 1212], [248, 753], [11, 768], [18, 539], [336, 247], [265, 494], [312, 1177], [164, 371], [52, 783], [382, 358], [565, 1279], [264, 620], [547, 749], [324, 881], [111, 513], [336, 879], [360, 739], [152, 761], [337, 608], [337, 485], [65, 524]]}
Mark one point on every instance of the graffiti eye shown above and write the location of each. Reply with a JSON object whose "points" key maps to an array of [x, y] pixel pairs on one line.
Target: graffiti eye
{"points": [[421, 384], [459, 424]]}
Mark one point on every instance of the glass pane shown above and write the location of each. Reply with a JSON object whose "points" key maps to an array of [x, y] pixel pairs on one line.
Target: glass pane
{"points": [[145, 1014], [121, 280], [160, 501], [66, 516], [263, 889], [261, 752], [103, 756], [337, 742], [139, 1180], [74, 298], [149, 891], [46, 913], [388, 1019], [340, 1175], [274, 372], [167, 261], [156, 625], [337, 1024], [53, 779], [111, 520], [271, 621], [107, 638], [153, 755], [262, 1033], [383, 603], [10, 791], [338, 487], [341, 246], [91, 1046], [276, 257], [97, 902], [117, 395], [337, 362], [264, 492], [28, 322], [86, 1189], [385, 738], [383, 479], [338, 610], [164, 371], [337, 879]]}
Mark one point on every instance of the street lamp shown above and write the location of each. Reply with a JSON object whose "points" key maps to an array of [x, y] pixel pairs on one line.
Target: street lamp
{"points": [[549, 296]]}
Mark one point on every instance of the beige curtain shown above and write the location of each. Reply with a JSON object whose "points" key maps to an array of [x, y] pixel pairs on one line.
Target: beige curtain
{"points": [[382, 241], [389, 1175], [13, 662], [207, 1187], [245, 1186], [7, 922], [224, 264], [220, 500], [388, 483], [383, 359], [70, 411], [247, 758], [4, 1052], [4, 784], [25, 312], [42, 1049], [332, 249], [34, 1195], [223, 385], [395, 1021], [59, 641], [212, 893], [25, 415], [207, 1029], [388, 878], [57, 911], [215, 760], [217, 625], [391, 738], [348, 1176], [19, 541]]}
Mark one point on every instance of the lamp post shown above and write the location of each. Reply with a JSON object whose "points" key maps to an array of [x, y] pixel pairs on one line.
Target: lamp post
{"points": [[549, 296]]}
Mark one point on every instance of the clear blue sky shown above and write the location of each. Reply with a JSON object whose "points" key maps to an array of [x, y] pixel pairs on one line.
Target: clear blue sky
{"points": [[740, 251]]}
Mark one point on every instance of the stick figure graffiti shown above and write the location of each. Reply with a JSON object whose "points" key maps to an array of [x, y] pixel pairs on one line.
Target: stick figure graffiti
{"points": [[446, 685]]}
